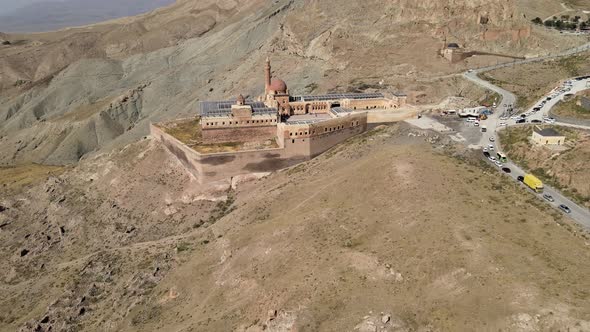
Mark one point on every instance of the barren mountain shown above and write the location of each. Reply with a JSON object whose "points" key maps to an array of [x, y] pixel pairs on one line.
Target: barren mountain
{"points": [[65, 94], [393, 231]]}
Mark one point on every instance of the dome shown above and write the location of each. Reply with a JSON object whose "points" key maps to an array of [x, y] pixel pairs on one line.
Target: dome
{"points": [[453, 45], [278, 85]]}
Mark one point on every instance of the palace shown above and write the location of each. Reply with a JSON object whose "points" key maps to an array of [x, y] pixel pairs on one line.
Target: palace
{"points": [[252, 120], [242, 137]]}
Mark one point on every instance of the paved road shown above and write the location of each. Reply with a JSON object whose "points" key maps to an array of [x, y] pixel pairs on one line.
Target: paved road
{"points": [[578, 213]]}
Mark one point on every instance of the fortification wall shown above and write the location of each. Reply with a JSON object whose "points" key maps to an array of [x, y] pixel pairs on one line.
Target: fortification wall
{"points": [[185, 154], [238, 134], [210, 168], [319, 137]]}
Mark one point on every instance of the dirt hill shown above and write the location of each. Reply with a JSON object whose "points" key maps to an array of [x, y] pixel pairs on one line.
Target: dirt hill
{"points": [[68, 93], [392, 231]]}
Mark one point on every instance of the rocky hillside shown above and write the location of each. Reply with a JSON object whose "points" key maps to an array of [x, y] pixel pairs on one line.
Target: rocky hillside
{"points": [[69, 93], [391, 231]]}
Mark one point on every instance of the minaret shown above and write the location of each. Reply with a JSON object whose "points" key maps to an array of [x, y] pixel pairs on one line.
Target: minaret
{"points": [[267, 76]]}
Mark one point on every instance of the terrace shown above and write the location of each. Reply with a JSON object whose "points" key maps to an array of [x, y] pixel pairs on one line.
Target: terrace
{"points": [[188, 131]]}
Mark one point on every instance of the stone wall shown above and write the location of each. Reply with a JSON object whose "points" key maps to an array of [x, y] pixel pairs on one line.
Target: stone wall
{"points": [[238, 134], [214, 167], [211, 168]]}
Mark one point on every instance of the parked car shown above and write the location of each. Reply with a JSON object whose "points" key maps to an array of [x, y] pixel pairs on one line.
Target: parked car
{"points": [[548, 197], [503, 124], [536, 121], [492, 139], [564, 208], [491, 147], [521, 121], [506, 170], [498, 163], [520, 178], [485, 149]]}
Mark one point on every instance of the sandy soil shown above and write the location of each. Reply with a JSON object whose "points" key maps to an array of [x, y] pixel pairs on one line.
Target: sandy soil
{"points": [[395, 222]]}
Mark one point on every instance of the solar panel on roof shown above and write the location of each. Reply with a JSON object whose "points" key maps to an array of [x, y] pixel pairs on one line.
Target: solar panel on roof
{"points": [[335, 96], [223, 108]]}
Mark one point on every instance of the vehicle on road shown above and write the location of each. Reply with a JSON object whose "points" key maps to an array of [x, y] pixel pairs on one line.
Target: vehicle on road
{"points": [[498, 163], [486, 154], [484, 129], [506, 170], [492, 139], [536, 121], [491, 147], [485, 149], [502, 157], [565, 208], [503, 124], [533, 182], [492, 159], [520, 178], [521, 121], [476, 124], [548, 197]]}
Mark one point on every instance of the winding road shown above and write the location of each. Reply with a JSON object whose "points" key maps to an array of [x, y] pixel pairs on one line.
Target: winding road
{"points": [[578, 213]]}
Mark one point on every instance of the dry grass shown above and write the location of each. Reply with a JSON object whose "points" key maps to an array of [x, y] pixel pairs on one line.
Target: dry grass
{"points": [[14, 178], [186, 131], [529, 82], [189, 133], [571, 109], [564, 170]]}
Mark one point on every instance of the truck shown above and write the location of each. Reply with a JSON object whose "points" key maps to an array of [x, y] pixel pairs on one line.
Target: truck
{"points": [[533, 182]]}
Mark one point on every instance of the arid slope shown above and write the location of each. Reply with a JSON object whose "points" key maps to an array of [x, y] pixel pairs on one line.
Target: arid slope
{"points": [[389, 222], [69, 93]]}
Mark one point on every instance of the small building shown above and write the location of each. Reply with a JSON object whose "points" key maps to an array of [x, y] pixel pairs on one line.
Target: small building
{"points": [[452, 52], [547, 136]]}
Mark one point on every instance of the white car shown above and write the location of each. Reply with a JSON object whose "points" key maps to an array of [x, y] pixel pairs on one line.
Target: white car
{"points": [[492, 139], [485, 149], [503, 124], [498, 163], [493, 159], [476, 124], [491, 147]]}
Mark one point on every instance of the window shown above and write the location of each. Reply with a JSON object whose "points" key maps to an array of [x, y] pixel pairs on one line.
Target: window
{"points": [[293, 141], [290, 134]]}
